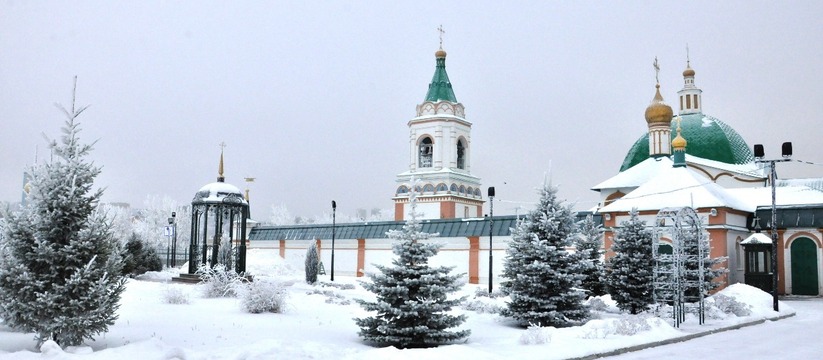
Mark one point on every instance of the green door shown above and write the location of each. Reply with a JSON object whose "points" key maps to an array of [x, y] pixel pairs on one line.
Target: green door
{"points": [[804, 267]]}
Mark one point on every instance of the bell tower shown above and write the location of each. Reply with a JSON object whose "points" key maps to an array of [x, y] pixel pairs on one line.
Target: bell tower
{"points": [[439, 156]]}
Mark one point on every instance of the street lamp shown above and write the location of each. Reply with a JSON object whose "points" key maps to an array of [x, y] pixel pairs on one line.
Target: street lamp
{"points": [[173, 223], [491, 225], [333, 216], [758, 158]]}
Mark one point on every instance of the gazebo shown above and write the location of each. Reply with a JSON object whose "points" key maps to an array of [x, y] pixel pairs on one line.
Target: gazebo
{"points": [[218, 226]]}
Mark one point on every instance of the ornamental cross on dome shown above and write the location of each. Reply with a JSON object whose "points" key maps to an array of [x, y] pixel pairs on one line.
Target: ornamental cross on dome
{"points": [[656, 71], [441, 31]]}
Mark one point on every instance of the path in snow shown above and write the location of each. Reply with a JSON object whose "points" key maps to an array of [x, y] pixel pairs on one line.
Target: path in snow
{"points": [[797, 337]]}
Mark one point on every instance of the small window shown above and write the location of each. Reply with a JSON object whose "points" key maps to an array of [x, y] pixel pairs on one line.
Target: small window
{"points": [[695, 101], [425, 148], [428, 188], [462, 189], [477, 192], [461, 155], [402, 190], [688, 102], [453, 188], [681, 103], [442, 188]]}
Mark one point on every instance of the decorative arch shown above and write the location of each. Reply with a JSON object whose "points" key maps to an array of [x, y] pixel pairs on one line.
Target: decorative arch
{"points": [[470, 190], [428, 188], [453, 188], [477, 192], [613, 196], [441, 187], [462, 189], [402, 189], [802, 234], [425, 151]]}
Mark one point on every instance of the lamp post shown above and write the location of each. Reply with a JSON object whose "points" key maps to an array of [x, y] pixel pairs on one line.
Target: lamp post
{"points": [[491, 226], [758, 158], [173, 223], [333, 216]]}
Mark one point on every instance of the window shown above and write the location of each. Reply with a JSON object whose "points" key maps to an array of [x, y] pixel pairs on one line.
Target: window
{"points": [[442, 188], [428, 188], [688, 102], [695, 101], [470, 191], [758, 261], [462, 189], [425, 149], [477, 192], [681, 103], [453, 188], [461, 154]]}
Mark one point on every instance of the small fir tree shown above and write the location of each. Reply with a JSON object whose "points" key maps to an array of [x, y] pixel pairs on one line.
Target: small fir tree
{"points": [[631, 269], [138, 258], [712, 267], [312, 263], [590, 247], [542, 277], [60, 266], [412, 302]]}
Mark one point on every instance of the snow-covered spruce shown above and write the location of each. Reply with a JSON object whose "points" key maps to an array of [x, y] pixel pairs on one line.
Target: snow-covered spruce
{"points": [[542, 278], [60, 266], [630, 271], [312, 263], [412, 297], [589, 247]]}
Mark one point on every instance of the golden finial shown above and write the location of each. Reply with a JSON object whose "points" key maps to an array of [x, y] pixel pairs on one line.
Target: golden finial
{"points": [[658, 111], [440, 53], [220, 177], [688, 72], [248, 181]]}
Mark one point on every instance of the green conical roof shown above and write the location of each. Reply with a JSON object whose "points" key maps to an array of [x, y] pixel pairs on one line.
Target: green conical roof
{"points": [[709, 138], [440, 87]]}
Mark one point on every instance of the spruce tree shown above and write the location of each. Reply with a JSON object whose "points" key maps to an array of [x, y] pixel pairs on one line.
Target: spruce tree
{"points": [[631, 269], [412, 302], [590, 247], [60, 266], [542, 277]]}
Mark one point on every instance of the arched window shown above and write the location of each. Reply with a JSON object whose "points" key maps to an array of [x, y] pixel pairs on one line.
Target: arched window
{"points": [[425, 150], [462, 189], [402, 190], [470, 190], [442, 187], [461, 154], [477, 192], [428, 188], [453, 188]]}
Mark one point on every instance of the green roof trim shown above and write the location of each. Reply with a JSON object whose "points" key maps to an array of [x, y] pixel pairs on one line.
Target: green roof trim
{"points": [[707, 137], [440, 87]]}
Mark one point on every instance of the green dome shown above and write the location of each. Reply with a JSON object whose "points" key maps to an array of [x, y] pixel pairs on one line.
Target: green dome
{"points": [[708, 137]]}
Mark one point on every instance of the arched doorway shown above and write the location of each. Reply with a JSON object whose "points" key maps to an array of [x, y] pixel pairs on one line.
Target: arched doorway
{"points": [[804, 267]]}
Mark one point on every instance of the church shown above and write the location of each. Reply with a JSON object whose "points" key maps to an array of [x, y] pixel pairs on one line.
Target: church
{"points": [[690, 159]]}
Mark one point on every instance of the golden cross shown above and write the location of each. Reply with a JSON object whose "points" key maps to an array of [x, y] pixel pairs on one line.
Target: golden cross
{"points": [[440, 29]]}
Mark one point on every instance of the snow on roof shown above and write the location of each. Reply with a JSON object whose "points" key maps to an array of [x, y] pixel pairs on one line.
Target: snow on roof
{"points": [[637, 174], [679, 186], [750, 169], [215, 192], [784, 195], [757, 238]]}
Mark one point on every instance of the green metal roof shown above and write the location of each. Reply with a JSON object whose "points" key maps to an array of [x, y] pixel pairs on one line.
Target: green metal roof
{"points": [[707, 138], [378, 229], [788, 217], [440, 87]]}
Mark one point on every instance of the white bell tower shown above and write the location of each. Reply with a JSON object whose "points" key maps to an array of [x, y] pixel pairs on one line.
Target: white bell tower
{"points": [[439, 156]]}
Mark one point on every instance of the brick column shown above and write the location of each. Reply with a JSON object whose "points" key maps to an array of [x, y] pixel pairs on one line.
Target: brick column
{"points": [[361, 256], [474, 257]]}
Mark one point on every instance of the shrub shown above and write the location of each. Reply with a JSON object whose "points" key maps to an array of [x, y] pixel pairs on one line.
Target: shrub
{"points": [[536, 335], [312, 264], [263, 296], [482, 292], [631, 325], [175, 295], [219, 281], [730, 305]]}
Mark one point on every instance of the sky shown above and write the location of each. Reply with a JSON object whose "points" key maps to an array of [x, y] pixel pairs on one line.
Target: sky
{"points": [[312, 99]]}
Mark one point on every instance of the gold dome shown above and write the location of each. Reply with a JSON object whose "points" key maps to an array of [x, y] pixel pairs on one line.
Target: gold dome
{"points": [[679, 142], [688, 71], [658, 111], [440, 54]]}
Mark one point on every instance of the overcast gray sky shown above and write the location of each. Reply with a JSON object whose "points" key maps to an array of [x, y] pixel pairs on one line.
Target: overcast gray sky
{"points": [[313, 98]]}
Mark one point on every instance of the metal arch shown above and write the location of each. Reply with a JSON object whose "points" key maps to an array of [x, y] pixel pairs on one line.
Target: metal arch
{"points": [[677, 273]]}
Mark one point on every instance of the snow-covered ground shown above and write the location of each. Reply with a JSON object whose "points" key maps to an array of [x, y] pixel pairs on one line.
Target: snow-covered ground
{"points": [[318, 325]]}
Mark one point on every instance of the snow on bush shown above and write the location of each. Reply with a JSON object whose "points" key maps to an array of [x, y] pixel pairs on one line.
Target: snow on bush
{"points": [[483, 302], [482, 292], [631, 325], [219, 281], [263, 296], [175, 295], [536, 335], [338, 286]]}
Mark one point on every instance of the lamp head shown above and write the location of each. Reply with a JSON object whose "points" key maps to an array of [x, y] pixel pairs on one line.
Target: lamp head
{"points": [[787, 150], [758, 151], [333, 205], [491, 191]]}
